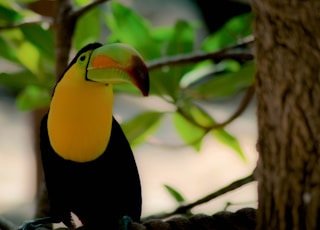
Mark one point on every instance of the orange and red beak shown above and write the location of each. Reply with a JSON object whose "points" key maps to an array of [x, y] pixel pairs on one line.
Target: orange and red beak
{"points": [[118, 63]]}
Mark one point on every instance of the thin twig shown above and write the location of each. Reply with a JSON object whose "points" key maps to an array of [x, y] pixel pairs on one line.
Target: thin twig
{"points": [[225, 53], [183, 209], [38, 20], [78, 13], [241, 108]]}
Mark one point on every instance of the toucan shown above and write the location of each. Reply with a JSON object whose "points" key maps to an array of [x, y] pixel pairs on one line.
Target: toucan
{"points": [[88, 163]]}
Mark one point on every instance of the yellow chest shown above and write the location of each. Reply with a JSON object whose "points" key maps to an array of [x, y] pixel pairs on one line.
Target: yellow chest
{"points": [[80, 120]]}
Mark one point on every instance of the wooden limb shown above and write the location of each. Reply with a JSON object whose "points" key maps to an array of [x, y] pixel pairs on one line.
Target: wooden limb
{"points": [[184, 209]]}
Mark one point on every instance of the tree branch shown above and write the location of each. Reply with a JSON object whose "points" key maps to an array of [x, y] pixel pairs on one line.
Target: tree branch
{"points": [[183, 209], [78, 13], [225, 53], [31, 21], [242, 106]]}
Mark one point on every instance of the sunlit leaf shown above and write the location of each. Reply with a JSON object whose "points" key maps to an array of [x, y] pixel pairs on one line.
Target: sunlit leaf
{"points": [[200, 116], [229, 140], [189, 132], [174, 193], [29, 56], [141, 126], [81, 2], [33, 97]]}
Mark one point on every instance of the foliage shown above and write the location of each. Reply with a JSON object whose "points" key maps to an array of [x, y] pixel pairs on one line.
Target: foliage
{"points": [[28, 45]]}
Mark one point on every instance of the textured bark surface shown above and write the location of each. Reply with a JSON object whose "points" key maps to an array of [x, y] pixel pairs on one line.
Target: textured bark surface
{"points": [[288, 93]]}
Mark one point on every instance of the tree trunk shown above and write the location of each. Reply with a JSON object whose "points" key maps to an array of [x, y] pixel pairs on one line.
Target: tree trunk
{"points": [[287, 37]]}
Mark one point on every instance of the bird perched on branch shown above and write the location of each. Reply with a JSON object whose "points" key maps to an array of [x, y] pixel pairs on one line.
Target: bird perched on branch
{"points": [[88, 164]]}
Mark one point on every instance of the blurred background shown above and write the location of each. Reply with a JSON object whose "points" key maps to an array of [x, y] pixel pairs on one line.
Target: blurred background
{"points": [[162, 159]]}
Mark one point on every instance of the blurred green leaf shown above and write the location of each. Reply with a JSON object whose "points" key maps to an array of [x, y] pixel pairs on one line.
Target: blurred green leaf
{"points": [[29, 56], [19, 80], [229, 140], [234, 29], [162, 34], [129, 27], [41, 38], [188, 131], [182, 39], [26, 1], [81, 2], [174, 193], [9, 15], [227, 83], [141, 126], [87, 29], [33, 97], [181, 42], [200, 116], [7, 51]]}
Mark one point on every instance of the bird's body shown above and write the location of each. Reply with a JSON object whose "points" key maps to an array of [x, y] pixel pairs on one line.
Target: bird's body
{"points": [[88, 163], [99, 191]]}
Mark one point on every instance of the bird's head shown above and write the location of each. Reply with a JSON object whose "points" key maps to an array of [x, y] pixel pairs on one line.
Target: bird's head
{"points": [[111, 64], [80, 115]]}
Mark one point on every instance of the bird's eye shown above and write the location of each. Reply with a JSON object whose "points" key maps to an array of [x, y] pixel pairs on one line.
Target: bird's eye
{"points": [[82, 58]]}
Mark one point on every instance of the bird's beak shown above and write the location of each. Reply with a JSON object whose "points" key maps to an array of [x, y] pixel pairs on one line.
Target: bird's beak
{"points": [[118, 63]]}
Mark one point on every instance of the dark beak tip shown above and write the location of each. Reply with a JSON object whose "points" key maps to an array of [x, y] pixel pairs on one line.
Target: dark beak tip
{"points": [[141, 74]]}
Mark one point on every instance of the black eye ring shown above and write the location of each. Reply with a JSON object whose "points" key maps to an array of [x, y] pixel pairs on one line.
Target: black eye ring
{"points": [[82, 58]]}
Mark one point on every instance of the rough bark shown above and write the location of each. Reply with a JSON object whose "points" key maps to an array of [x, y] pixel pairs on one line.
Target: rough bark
{"points": [[287, 45]]}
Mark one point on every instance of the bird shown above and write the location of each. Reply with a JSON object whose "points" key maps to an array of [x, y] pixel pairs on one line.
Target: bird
{"points": [[88, 163]]}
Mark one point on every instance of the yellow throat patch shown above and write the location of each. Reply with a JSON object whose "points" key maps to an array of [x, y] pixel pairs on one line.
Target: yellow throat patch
{"points": [[80, 117]]}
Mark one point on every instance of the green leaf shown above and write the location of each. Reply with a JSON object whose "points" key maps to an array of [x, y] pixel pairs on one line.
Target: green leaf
{"points": [[19, 80], [182, 39], [33, 97], [188, 131], [41, 38], [29, 56], [162, 34], [141, 126], [25, 1], [87, 29], [81, 2], [200, 116], [227, 83], [180, 42], [7, 50], [174, 193], [229, 140], [234, 29], [9, 16], [129, 27]]}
